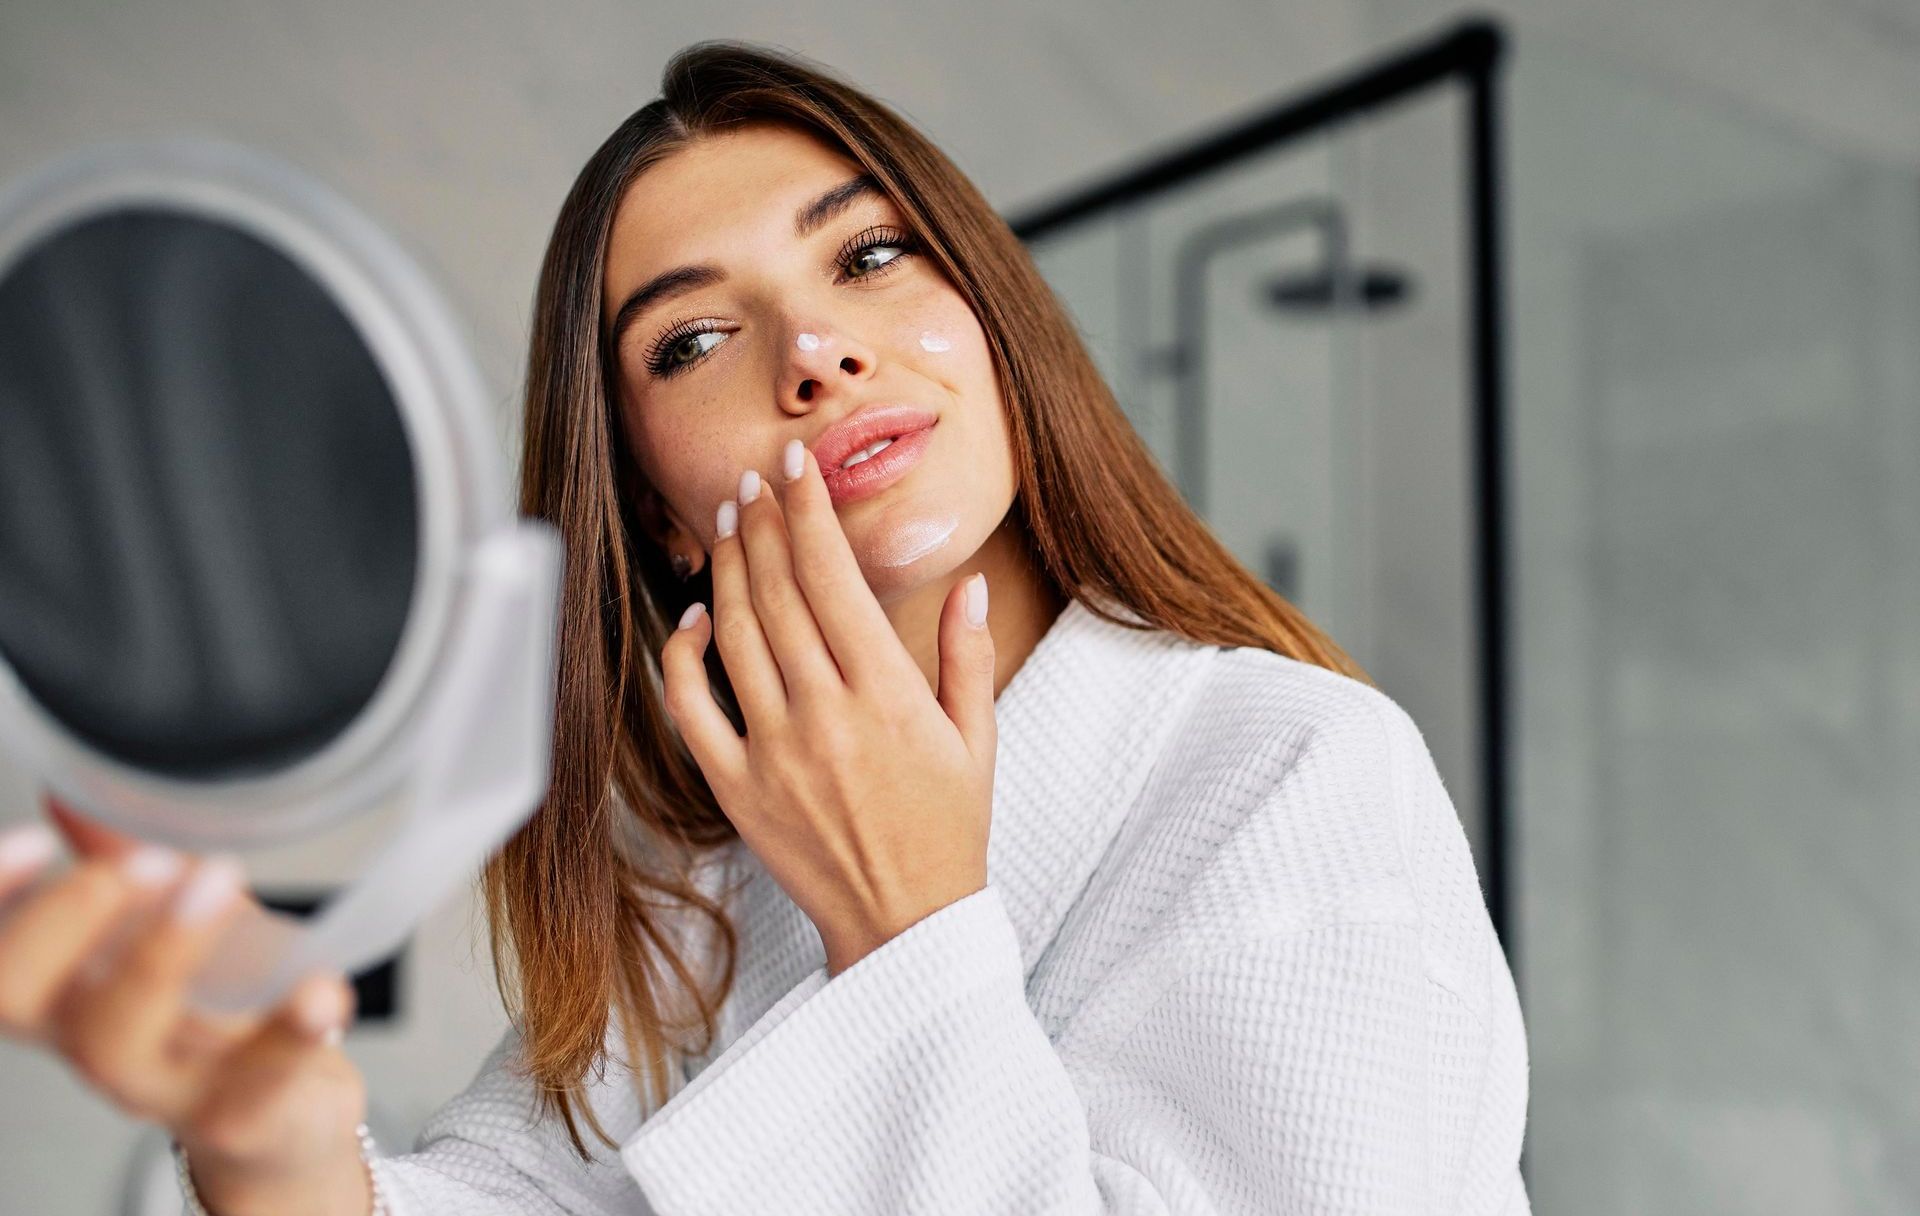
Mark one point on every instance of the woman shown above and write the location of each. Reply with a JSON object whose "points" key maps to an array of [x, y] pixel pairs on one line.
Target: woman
{"points": [[1223, 948]]}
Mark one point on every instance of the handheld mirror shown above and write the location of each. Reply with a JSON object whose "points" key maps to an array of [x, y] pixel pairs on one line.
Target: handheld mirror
{"points": [[259, 566]]}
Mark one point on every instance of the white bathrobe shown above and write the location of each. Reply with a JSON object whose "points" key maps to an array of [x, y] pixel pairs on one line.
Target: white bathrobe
{"points": [[1232, 957]]}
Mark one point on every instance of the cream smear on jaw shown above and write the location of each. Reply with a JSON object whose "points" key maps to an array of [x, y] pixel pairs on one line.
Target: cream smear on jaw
{"points": [[914, 541]]}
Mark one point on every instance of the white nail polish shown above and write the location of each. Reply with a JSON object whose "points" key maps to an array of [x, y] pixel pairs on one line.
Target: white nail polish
{"points": [[213, 884], [692, 613], [726, 519], [794, 461], [27, 847], [749, 486], [320, 1012], [152, 866], [976, 594]]}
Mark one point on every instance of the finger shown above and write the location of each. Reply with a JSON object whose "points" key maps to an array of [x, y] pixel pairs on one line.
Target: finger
{"points": [[854, 626], [744, 650], [115, 1030], [967, 667], [87, 837], [25, 851], [43, 940], [152, 869], [688, 695], [250, 1099], [786, 618]]}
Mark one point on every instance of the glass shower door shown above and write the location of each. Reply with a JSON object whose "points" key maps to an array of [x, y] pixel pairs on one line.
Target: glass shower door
{"points": [[1290, 335], [1235, 398]]}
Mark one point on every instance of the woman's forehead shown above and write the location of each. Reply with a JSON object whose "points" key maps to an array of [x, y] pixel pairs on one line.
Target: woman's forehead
{"points": [[687, 210], [760, 172]]}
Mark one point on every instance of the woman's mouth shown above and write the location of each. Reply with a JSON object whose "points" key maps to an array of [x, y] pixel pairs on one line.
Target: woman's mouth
{"points": [[876, 466]]}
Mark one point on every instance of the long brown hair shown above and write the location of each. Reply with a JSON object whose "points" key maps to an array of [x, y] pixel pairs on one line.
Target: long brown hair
{"points": [[583, 901]]}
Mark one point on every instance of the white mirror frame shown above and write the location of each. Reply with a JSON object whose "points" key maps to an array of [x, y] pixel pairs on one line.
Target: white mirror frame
{"points": [[460, 726]]}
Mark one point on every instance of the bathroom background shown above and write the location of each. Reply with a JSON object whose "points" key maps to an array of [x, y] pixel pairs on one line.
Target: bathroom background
{"points": [[1562, 359]]}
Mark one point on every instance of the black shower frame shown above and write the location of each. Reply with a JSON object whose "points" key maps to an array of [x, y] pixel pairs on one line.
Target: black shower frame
{"points": [[1472, 53]]}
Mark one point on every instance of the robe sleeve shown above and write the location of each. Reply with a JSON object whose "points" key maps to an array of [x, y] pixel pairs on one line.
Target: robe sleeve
{"points": [[484, 1154], [1315, 1070]]}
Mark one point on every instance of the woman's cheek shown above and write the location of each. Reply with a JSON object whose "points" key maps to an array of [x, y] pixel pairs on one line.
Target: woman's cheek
{"points": [[949, 325], [683, 466]]}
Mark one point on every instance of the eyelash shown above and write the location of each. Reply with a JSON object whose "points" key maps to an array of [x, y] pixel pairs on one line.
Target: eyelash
{"points": [[657, 357]]}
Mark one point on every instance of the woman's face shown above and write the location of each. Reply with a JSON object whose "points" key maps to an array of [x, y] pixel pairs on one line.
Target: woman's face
{"points": [[789, 332]]}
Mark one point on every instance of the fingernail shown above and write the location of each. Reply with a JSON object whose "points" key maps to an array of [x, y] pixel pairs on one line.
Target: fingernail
{"points": [[749, 486], [793, 461], [977, 601], [27, 847], [692, 613], [152, 866], [726, 518], [216, 881], [321, 1011]]}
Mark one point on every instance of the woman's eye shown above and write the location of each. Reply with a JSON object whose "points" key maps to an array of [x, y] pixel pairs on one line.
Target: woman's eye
{"points": [[866, 249], [665, 362]]}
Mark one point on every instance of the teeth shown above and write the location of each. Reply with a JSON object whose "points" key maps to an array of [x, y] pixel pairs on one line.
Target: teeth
{"points": [[865, 454]]}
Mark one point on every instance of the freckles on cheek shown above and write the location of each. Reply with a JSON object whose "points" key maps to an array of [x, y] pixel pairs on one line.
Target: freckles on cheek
{"points": [[697, 472], [671, 463]]}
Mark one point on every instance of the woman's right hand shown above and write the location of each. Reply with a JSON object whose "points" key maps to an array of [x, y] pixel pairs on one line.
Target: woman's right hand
{"points": [[94, 966]]}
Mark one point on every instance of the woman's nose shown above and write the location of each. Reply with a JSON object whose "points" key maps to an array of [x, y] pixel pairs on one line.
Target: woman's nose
{"points": [[822, 356]]}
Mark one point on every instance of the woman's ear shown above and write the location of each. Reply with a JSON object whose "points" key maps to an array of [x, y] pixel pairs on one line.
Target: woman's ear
{"points": [[684, 550], [649, 510]]}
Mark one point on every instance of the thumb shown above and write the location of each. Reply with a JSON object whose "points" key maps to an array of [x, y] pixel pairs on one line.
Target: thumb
{"points": [[967, 665], [284, 1085]]}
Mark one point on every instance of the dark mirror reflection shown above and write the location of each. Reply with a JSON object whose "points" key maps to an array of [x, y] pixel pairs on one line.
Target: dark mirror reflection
{"points": [[208, 530]]}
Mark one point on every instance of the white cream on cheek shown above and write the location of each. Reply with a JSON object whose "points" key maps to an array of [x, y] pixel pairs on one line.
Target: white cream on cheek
{"points": [[934, 342], [909, 543], [807, 341]]}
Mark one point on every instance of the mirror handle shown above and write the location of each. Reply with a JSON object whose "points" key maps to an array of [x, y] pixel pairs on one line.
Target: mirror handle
{"points": [[483, 767]]}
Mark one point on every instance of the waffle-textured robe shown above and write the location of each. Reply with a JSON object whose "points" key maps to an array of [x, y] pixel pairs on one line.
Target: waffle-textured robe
{"points": [[1232, 957]]}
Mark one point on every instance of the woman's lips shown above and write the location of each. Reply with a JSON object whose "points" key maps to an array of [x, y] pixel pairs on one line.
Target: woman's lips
{"points": [[876, 473]]}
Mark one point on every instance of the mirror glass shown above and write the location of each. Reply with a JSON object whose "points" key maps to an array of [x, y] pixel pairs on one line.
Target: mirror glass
{"points": [[208, 521]]}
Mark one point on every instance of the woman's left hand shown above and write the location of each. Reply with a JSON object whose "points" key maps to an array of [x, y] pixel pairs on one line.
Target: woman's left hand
{"points": [[867, 797]]}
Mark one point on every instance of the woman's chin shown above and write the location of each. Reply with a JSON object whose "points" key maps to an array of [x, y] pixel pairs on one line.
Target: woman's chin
{"points": [[909, 543], [899, 559]]}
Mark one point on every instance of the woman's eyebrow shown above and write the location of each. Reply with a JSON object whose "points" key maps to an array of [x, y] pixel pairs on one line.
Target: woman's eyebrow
{"points": [[832, 203], [683, 279]]}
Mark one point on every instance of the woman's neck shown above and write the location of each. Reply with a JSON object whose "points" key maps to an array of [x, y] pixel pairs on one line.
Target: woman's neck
{"points": [[1022, 604]]}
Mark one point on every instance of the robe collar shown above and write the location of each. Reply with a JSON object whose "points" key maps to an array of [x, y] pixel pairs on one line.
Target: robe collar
{"points": [[1081, 724]]}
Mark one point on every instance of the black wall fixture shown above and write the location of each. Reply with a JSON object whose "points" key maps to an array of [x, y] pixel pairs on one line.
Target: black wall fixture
{"points": [[376, 989]]}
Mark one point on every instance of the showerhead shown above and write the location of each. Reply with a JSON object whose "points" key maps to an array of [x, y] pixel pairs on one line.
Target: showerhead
{"points": [[1369, 289]]}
